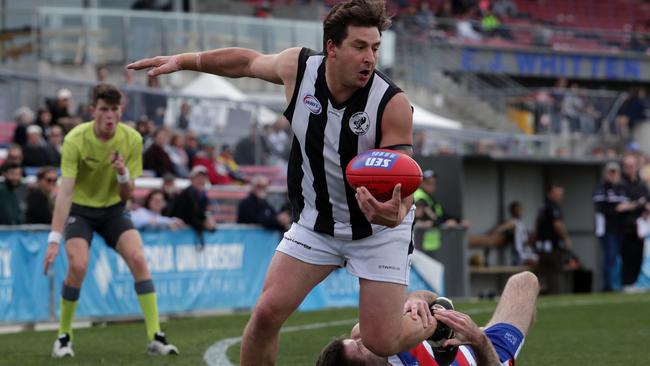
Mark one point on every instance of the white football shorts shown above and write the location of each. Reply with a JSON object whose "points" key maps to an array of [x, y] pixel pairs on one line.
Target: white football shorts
{"points": [[384, 256]]}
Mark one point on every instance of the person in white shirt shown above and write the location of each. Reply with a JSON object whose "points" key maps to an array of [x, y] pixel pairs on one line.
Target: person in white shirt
{"points": [[150, 215]]}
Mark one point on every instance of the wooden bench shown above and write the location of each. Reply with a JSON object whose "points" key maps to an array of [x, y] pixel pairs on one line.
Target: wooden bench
{"points": [[490, 280]]}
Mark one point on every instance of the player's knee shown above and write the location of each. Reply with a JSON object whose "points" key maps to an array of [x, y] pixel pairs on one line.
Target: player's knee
{"points": [[267, 316], [526, 280], [138, 262], [77, 267]]}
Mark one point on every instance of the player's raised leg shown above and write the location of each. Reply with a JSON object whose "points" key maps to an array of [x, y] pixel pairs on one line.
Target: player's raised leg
{"points": [[130, 248], [287, 282], [517, 303], [77, 253]]}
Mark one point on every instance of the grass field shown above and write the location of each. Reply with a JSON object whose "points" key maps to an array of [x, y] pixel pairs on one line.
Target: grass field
{"points": [[607, 329]]}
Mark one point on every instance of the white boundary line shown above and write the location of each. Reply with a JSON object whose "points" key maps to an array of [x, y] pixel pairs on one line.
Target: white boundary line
{"points": [[215, 355]]}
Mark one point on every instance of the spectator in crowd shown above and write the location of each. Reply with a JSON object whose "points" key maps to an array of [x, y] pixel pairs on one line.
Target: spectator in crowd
{"points": [[504, 8], [40, 199], [61, 108], [36, 150], [523, 252], [155, 103], [542, 34], [12, 195], [632, 244], [424, 18], [572, 107], [632, 112], [611, 201], [169, 192], [206, 157], [552, 240], [178, 155], [192, 205], [191, 147], [55, 143], [101, 74], [639, 40], [255, 209], [279, 142], [24, 118], [227, 160], [251, 149], [465, 30], [150, 216], [44, 120], [155, 157], [146, 128], [183, 122], [14, 156], [512, 232], [445, 12], [491, 26]]}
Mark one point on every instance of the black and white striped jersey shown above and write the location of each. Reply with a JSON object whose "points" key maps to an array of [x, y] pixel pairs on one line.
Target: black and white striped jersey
{"points": [[327, 135]]}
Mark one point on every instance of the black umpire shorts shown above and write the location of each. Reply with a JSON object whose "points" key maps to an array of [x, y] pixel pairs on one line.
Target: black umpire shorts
{"points": [[109, 222]]}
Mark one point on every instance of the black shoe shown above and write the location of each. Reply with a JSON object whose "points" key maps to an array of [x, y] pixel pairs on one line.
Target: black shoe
{"points": [[442, 332], [444, 356], [159, 346]]}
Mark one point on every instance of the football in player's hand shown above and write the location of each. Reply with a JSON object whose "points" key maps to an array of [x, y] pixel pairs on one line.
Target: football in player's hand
{"points": [[380, 170]]}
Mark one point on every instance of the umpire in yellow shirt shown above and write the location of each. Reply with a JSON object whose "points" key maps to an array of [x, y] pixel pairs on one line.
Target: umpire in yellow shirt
{"points": [[99, 161]]}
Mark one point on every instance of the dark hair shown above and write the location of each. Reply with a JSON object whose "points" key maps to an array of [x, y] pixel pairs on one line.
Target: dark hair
{"points": [[333, 355], [42, 172], [147, 200], [551, 186], [108, 93], [512, 206], [10, 166], [359, 13]]}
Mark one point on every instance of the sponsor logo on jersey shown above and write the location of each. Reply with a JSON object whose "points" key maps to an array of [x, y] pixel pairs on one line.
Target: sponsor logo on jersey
{"points": [[359, 123], [312, 104]]}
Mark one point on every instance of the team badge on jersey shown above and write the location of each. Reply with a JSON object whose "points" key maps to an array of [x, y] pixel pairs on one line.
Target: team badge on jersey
{"points": [[312, 104], [360, 123]]}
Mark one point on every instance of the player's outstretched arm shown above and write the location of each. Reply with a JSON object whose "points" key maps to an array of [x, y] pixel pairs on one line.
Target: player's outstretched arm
{"points": [[59, 216], [230, 62], [467, 332]]}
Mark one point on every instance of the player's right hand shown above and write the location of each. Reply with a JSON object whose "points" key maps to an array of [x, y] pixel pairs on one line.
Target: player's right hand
{"points": [[50, 256], [159, 64]]}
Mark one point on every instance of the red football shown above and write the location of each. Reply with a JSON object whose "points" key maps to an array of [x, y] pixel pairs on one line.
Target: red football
{"points": [[380, 170]]}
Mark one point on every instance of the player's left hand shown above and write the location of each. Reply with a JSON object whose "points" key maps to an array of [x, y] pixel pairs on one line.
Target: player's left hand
{"points": [[117, 160], [465, 330], [387, 213], [419, 309]]}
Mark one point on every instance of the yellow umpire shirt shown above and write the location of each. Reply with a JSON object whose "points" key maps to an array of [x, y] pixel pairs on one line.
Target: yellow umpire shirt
{"points": [[88, 160]]}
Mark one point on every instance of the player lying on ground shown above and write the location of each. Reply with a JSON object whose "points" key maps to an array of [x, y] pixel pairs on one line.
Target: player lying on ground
{"points": [[498, 343]]}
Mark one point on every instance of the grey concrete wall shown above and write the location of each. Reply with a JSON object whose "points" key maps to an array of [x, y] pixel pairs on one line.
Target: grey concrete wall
{"points": [[479, 189]]}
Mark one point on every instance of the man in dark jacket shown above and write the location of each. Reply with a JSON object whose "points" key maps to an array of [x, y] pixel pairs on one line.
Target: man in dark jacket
{"points": [[611, 201], [255, 209], [191, 205], [40, 200], [12, 196], [632, 245], [552, 240]]}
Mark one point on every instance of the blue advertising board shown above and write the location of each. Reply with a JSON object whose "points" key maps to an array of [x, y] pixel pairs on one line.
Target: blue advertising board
{"points": [[226, 273]]}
